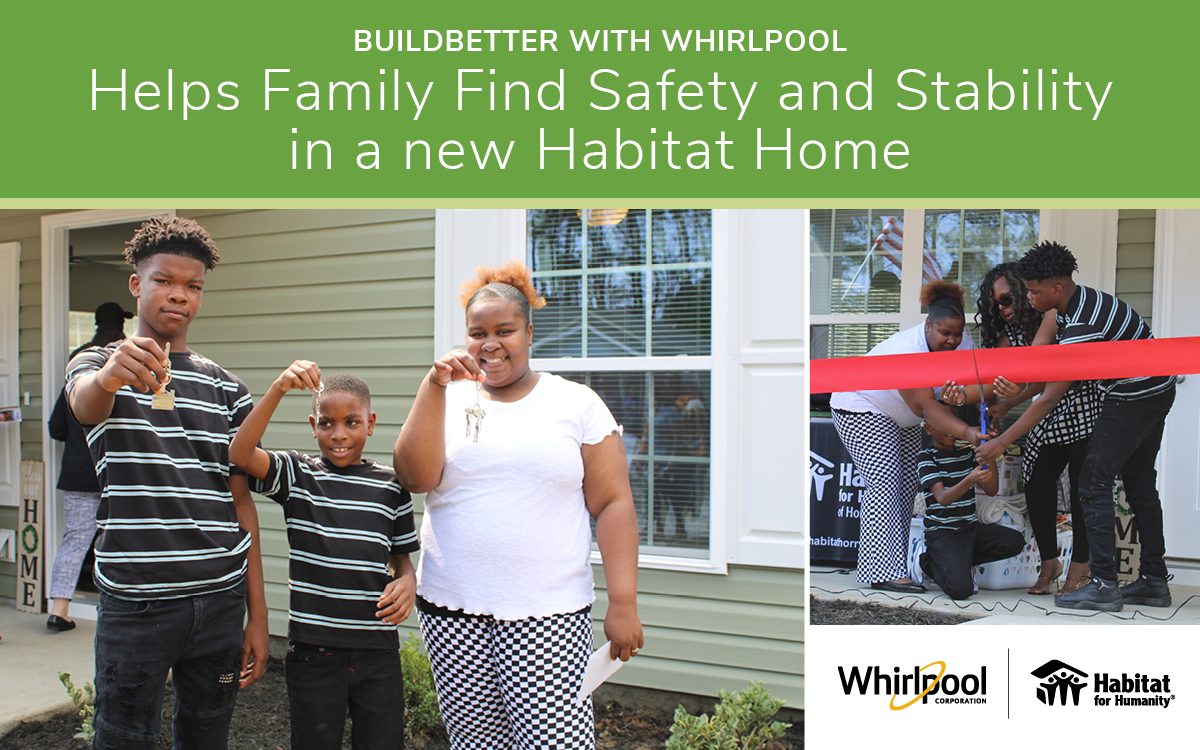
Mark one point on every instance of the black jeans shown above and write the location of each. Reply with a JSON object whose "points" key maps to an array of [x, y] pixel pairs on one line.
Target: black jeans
{"points": [[1041, 498], [324, 683], [952, 553], [1125, 441], [197, 638]]}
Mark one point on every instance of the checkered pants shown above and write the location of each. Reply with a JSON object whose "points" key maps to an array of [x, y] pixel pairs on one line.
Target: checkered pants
{"points": [[886, 456], [512, 684]]}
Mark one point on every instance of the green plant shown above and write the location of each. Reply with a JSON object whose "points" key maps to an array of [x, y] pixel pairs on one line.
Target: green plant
{"points": [[84, 701], [741, 721], [421, 713]]}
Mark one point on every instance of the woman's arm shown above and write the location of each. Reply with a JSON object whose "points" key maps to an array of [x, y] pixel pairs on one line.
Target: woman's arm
{"points": [[922, 403], [420, 451], [610, 501]]}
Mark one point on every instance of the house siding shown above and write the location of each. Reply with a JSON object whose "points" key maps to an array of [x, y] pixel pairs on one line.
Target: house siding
{"points": [[1135, 260]]}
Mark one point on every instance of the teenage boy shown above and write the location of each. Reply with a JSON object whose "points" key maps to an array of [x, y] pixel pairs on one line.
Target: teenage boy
{"points": [[350, 528], [177, 554], [1126, 437], [954, 538]]}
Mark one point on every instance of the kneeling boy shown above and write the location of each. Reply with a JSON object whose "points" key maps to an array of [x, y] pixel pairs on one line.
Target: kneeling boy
{"points": [[350, 529], [954, 538]]}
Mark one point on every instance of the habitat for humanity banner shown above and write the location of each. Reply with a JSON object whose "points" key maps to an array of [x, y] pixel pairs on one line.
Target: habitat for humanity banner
{"points": [[993, 686], [621, 99]]}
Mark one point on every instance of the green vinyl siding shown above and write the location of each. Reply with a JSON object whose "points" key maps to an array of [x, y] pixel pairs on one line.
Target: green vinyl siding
{"points": [[26, 228], [1135, 260], [706, 632]]}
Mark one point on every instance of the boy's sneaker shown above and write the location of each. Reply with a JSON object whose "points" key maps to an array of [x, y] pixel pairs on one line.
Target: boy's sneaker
{"points": [[1097, 594], [1149, 590]]}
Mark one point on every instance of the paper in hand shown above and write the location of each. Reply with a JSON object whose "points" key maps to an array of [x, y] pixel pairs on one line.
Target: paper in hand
{"points": [[600, 667]]}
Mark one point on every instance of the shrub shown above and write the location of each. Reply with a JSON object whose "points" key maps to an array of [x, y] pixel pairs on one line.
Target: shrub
{"points": [[741, 721], [84, 701], [421, 713]]}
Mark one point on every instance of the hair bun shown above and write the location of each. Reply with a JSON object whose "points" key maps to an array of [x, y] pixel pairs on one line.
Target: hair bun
{"points": [[514, 273]]}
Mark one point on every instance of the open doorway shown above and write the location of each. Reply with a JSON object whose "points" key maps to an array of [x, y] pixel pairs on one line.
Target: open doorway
{"points": [[82, 268]]}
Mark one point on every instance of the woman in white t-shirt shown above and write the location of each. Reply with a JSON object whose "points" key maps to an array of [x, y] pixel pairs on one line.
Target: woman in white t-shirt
{"points": [[515, 462], [882, 432]]}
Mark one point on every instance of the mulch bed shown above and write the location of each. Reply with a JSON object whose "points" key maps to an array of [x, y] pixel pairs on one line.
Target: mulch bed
{"points": [[843, 612], [261, 723]]}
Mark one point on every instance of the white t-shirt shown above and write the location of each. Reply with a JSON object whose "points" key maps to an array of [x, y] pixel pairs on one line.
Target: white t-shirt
{"points": [[909, 341], [507, 533]]}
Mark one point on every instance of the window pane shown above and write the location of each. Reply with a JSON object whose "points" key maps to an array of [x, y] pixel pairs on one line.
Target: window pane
{"points": [[856, 257], [634, 284], [616, 237], [558, 325], [666, 433], [616, 322], [969, 243], [848, 340], [554, 239]]}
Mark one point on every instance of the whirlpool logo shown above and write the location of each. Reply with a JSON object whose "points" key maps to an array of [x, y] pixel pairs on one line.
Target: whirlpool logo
{"points": [[932, 682]]}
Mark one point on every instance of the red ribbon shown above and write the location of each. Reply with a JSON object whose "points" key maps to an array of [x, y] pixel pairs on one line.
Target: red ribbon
{"points": [[1026, 364]]}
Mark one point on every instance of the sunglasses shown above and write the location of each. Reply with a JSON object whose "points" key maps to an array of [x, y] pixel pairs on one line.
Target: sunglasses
{"points": [[1006, 300]]}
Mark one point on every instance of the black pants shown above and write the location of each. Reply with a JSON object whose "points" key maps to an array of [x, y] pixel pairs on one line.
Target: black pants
{"points": [[1125, 441], [952, 553], [324, 683], [1041, 498]]}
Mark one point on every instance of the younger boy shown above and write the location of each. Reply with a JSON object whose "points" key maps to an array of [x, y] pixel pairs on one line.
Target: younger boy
{"points": [[177, 555], [350, 528], [954, 538]]}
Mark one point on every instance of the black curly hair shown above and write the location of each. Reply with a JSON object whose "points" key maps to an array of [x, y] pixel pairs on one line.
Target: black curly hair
{"points": [[174, 236], [1047, 260], [987, 317], [344, 382]]}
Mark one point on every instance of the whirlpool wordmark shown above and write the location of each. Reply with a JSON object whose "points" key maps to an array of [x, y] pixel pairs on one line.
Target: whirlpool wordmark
{"points": [[930, 682]]}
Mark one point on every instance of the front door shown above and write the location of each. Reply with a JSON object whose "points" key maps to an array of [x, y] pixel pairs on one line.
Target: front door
{"points": [[1177, 314]]}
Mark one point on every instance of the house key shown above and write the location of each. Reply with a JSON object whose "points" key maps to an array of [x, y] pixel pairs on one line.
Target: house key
{"points": [[164, 401], [317, 398], [477, 412]]}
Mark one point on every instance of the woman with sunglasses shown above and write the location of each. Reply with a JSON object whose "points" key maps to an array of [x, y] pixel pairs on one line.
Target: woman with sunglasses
{"points": [[1058, 423]]}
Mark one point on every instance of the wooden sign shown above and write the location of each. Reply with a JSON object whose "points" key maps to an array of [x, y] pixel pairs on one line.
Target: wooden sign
{"points": [[30, 546]]}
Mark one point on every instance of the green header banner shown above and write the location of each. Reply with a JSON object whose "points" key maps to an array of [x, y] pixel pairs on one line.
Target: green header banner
{"points": [[690, 101]]}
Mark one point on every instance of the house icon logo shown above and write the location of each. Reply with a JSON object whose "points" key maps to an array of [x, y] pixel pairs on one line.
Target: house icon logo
{"points": [[820, 471], [1059, 681]]}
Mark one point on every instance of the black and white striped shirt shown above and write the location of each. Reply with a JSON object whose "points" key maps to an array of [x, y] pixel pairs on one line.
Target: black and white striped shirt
{"points": [[948, 467], [343, 524], [167, 523], [1093, 315]]}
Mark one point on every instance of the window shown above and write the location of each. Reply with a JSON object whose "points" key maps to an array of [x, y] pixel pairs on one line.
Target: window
{"points": [[629, 313], [81, 327], [859, 292]]}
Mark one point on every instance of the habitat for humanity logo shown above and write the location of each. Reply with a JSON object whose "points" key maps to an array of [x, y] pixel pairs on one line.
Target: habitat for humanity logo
{"points": [[1062, 685], [931, 681]]}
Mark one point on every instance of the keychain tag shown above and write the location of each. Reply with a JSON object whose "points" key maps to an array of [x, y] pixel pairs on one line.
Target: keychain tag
{"points": [[164, 401]]}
